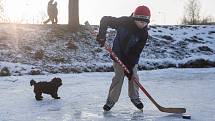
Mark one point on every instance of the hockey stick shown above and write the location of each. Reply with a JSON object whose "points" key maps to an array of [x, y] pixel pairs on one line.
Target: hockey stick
{"points": [[162, 109]]}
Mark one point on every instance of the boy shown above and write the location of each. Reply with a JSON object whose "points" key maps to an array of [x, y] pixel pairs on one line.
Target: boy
{"points": [[132, 34]]}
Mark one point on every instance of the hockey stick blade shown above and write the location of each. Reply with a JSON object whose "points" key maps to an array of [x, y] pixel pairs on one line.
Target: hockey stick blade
{"points": [[172, 110]]}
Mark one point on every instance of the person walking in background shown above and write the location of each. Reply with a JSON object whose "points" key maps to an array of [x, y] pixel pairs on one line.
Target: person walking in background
{"points": [[132, 34], [50, 11], [55, 12]]}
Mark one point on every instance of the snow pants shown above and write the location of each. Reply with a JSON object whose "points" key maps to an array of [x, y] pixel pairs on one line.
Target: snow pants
{"points": [[117, 81]]}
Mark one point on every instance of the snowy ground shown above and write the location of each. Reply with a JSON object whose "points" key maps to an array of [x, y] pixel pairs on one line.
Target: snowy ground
{"points": [[55, 49], [83, 95]]}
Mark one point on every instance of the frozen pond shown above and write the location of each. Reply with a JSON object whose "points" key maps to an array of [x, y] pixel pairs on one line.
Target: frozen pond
{"points": [[83, 96]]}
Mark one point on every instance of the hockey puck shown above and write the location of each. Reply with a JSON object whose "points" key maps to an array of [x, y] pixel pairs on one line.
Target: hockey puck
{"points": [[186, 117]]}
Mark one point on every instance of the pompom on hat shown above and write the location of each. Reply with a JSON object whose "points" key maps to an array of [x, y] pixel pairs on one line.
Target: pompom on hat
{"points": [[142, 13]]}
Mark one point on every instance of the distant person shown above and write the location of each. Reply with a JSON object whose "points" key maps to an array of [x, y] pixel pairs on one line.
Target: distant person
{"points": [[55, 12], [132, 34], [50, 12]]}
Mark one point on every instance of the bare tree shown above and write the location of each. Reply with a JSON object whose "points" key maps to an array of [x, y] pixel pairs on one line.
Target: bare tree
{"points": [[192, 12], [74, 14], [207, 20]]}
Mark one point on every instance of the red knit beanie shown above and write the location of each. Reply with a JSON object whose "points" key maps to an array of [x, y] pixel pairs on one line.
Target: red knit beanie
{"points": [[142, 13]]}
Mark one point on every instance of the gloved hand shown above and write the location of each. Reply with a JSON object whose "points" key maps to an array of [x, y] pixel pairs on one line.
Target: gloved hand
{"points": [[100, 40], [129, 66], [129, 75]]}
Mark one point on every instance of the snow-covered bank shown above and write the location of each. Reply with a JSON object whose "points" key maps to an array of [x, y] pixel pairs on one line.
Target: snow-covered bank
{"points": [[55, 49], [83, 95]]}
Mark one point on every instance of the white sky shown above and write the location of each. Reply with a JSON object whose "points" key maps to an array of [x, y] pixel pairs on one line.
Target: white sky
{"points": [[163, 12]]}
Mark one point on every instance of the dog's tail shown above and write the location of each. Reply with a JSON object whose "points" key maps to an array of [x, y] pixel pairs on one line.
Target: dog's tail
{"points": [[32, 82]]}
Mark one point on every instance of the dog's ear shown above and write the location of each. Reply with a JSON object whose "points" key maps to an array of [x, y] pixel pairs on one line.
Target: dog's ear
{"points": [[56, 81], [32, 82]]}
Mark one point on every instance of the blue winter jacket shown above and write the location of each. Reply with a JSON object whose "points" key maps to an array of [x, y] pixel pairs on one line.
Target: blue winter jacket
{"points": [[129, 41]]}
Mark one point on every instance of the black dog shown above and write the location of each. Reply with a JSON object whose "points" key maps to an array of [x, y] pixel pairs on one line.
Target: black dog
{"points": [[47, 88]]}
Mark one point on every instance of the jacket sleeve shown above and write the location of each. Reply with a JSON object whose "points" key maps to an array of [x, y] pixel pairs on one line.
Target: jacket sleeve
{"points": [[110, 22]]}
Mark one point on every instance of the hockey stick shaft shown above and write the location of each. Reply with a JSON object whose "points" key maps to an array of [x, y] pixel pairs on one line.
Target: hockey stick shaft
{"points": [[162, 109]]}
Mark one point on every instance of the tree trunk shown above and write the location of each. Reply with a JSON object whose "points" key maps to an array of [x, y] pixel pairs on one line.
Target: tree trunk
{"points": [[74, 14]]}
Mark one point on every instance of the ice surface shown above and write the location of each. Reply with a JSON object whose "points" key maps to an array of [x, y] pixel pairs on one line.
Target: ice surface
{"points": [[83, 96]]}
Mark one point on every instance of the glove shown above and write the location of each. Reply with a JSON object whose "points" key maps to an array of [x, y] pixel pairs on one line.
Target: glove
{"points": [[100, 40], [129, 65], [129, 75]]}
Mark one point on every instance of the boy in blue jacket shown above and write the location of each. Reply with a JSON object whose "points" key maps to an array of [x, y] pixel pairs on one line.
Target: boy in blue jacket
{"points": [[132, 34]]}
